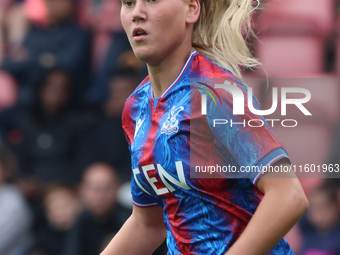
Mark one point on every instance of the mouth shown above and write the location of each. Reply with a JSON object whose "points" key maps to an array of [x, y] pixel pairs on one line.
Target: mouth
{"points": [[139, 34]]}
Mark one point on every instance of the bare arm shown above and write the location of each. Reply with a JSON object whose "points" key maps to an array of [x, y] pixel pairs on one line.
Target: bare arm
{"points": [[141, 234], [283, 204]]}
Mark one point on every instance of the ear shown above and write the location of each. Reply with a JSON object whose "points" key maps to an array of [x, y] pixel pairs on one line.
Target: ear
{"points": [[193, 11]]}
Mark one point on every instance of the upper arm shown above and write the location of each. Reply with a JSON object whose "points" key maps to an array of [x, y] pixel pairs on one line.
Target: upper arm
{"points": [[245, 140], [142, 233], [280, 181], [149, 216]]}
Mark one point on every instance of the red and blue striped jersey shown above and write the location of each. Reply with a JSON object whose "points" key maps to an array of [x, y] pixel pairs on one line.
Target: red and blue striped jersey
{"points": [[169, 137]]}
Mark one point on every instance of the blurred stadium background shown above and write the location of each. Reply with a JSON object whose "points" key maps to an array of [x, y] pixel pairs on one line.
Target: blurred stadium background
{"points": [[66, 68]]}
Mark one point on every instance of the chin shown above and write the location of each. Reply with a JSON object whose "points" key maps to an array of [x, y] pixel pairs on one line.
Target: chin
{"points": [[144, 55], [141, 56]]}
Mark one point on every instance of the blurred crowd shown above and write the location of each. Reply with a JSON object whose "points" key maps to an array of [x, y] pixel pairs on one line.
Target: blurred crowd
{"points": [[66, 69]]}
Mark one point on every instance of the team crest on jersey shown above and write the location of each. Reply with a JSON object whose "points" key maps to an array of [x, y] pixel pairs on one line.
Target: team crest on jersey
{"points": [[170, 126]]}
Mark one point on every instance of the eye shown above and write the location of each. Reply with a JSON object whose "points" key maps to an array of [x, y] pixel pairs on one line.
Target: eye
{"points": [[128, 3], [153, 1]]}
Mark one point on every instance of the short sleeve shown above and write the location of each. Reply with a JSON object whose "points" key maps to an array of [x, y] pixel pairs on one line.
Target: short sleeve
{"points": [[245, 139], [140, 196], [268, 160]]}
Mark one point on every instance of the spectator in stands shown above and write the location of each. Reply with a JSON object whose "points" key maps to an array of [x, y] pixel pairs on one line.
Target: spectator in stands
{"points": [[107, 142], [119, 56], [100, 15], [103, 215], [8, 98], [103, 18], [13, 26], [15, 216], [61, 207], [62, 43], [49, 133], [320, 229], [8, 88], [4, 6]]}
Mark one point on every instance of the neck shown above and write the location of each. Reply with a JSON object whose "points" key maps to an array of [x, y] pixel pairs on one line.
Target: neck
{"points": [[163, 74]]}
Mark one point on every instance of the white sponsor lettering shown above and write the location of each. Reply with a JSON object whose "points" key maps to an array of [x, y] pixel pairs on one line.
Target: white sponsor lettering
{"points": [[166, 178], [153, 180]]}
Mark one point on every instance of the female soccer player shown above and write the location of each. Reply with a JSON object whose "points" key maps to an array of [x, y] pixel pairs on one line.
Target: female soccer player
{"points": [[182, 41]]}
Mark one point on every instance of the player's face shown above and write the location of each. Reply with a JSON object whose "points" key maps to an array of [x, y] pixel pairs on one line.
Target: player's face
{"points": [[155, 27]]}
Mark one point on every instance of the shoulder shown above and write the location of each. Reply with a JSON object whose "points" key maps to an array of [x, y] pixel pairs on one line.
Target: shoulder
{"points": [[141, 93], [16, 205], [223, 81], [11, 194], [208, 67], [142, 87]]}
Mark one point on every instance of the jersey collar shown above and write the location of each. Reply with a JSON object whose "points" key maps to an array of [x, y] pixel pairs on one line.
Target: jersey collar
{"points": [[178, 77]]}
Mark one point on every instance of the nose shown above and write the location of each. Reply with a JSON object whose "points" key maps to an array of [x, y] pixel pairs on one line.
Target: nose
{"points": [[139, 11]]}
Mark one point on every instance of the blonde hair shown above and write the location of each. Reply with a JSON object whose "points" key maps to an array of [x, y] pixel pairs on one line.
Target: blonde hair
{"points": [[220, 30]]}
